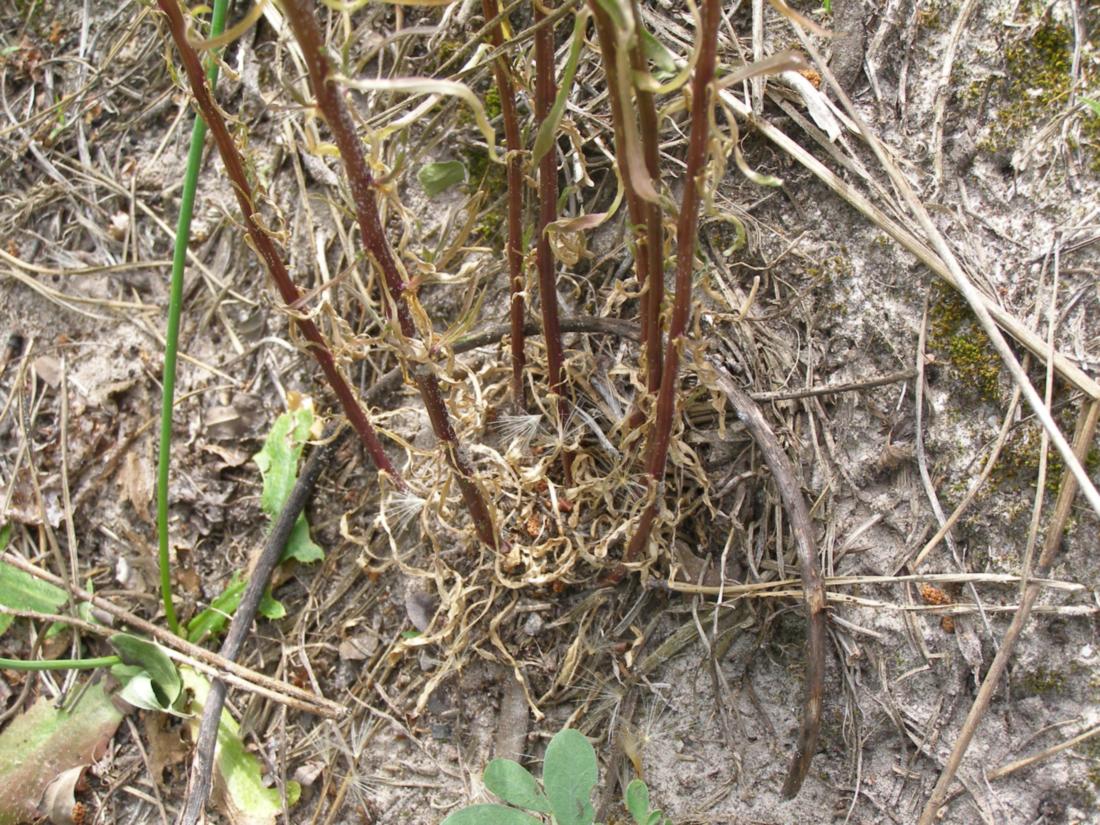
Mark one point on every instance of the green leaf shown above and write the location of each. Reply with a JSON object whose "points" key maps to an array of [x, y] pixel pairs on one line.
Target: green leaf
{"points": [[299, 546], [212, 620], [164, 678], [246, 801], [490, 815], [45, 741], [438, 177], [637, 801], [548, 129], [271, 608], [138, 689], [1088, 101], [514, 784], [656, 51], [22, 591], [278, 460], [569, 774], [5, 537], [278, 463]]}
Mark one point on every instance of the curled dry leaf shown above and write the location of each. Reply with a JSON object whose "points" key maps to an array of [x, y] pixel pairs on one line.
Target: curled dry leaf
{"points": [[59, 800]]}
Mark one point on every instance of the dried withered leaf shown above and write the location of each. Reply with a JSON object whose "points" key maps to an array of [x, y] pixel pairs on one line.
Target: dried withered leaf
{"points": [[894, 455], [59, 799], [166, 747], [934, 595], [135, 480], [359, 647]]}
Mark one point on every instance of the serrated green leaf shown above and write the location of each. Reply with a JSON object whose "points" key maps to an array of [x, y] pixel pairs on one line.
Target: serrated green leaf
{"points": [[164, 678], [438, 177], [569, 774], [548, 129], [514, 784], [299, 545], [278, 460], [278, 463], [22, 591], [490, 814], [246, 801]]}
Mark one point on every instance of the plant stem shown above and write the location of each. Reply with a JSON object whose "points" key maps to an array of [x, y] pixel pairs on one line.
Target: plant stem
{"points": [[401, 293], [265, 248], [651, 244], [609, 48], [545, 91], [686, 230], [502, 71], [59, 664], [645, 217], [172, 334]]}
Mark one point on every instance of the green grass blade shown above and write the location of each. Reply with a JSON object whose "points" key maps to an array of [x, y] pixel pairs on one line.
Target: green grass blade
{"points": [[175, 302]]}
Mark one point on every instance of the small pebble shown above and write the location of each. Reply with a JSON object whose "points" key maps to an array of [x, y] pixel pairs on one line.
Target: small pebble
{"points": [[533, 625]]}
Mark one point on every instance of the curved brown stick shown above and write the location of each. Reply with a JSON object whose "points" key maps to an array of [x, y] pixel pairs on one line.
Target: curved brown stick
{"points": [[401, 292], [265, 248], [813, 586]]}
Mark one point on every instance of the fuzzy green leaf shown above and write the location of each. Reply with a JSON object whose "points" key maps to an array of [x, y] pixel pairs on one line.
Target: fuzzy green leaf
{"points": [[514, 784], [637, 801], [438, 177], [569, 774], [490, 815]]}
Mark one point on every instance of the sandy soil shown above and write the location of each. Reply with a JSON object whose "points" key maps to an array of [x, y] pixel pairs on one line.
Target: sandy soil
{"points": [[983, 107]]}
